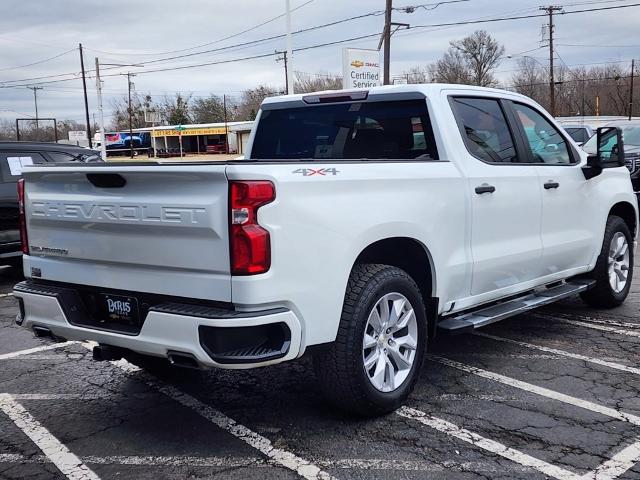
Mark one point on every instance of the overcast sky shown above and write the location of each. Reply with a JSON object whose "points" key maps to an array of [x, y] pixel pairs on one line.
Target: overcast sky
{"points": [[121, 31]]}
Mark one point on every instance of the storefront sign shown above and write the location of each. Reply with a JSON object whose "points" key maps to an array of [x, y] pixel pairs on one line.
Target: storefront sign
{"points": [[190, 131], [360, 68]]}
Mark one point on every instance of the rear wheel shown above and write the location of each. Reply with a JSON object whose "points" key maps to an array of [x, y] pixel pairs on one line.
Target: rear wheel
{"points": [[614, 269], [373, 365]]}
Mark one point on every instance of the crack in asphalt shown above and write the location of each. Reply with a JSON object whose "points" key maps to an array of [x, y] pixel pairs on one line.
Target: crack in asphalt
{"points": [[283, 402]]}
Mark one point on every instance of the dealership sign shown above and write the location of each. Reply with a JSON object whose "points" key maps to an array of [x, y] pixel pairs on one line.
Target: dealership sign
{"points": [[360, 68], [77, 135]]}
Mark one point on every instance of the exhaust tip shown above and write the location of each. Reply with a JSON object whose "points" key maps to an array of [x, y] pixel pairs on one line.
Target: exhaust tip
{"points": [[184, 360], [41, 332], [102, 353]]}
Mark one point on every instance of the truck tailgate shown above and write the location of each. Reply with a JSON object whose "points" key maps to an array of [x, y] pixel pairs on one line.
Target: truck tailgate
{"points": [[163, 230]]}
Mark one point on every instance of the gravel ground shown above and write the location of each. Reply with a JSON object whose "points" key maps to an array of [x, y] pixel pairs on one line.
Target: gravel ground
{"points": [[550, 394]]}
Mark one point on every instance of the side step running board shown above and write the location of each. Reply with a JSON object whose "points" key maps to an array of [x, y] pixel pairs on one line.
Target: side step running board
{"points": [[467, 321]]}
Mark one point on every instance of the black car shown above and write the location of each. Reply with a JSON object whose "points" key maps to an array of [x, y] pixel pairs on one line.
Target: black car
{"points": [[631, 135], [13, 156]]}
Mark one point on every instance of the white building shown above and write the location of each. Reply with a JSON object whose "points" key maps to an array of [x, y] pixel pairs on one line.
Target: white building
{"points": [[202, 137]]}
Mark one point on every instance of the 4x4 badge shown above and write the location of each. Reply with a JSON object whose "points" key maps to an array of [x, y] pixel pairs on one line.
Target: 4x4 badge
{"points": [[308, 172]]}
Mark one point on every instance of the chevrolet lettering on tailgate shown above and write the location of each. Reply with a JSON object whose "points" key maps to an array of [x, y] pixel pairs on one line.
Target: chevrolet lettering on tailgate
{"points": [[128, 213]]}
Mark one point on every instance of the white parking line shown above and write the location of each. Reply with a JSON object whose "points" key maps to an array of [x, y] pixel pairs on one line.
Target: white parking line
{"points": [[583, 318], [502, 356], [545, 392], [50, 357], [279, 456], [28, 351], [367, 464], [617, 465], [61, 396], [602, 328], [597, 361], [6, 295], [60, 456], [486, 444]]}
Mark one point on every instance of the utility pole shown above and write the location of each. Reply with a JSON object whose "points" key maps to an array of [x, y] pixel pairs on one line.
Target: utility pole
{"points": [[289, 56], [86, 102], [226, 126], [387, 41], [35, 99], [633, 69], [551, 9], [103, 147], [129, 75], [284, 58]]}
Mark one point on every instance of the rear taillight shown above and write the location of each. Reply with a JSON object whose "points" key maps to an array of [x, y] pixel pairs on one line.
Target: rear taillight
{"points": [[22, 218], [250, 243]]}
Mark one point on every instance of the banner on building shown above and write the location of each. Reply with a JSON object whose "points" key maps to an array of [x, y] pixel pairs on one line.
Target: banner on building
{"points": [[189, 131], [360, 68]]}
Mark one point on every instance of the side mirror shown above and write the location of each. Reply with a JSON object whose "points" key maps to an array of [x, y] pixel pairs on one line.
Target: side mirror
{"points": [[610, 152]]}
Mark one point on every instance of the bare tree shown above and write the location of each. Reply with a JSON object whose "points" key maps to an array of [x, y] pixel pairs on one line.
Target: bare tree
{"points": [[602, 90], [139, 103], [208, 109], [531, 80], [306, 82], [251, 100], [7, 129], [451, 68], [417, 75], [175, 110], [482, 54]]}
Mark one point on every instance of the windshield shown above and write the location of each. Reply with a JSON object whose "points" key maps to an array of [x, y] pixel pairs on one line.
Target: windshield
{"points": [[631, 137], [350, 130]]}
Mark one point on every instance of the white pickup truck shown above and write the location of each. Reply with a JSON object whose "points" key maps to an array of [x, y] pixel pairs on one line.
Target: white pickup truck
{"points": [[360, 224]]}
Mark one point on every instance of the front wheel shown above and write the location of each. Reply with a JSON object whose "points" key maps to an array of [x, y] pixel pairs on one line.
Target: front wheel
{"points": [[614, 268], [376, 359]]}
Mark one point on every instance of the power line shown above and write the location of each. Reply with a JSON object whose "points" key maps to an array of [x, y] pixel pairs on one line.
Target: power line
{"points": [[219, 49], [361, 37], [263, 40], [521, 17], [297, 32], [38, 62], [255, 27], [596, 46], [425, 6]]}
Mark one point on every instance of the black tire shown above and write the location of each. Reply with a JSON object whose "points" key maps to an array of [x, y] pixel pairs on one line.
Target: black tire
{"points": [[340, 367], [602, 295]]}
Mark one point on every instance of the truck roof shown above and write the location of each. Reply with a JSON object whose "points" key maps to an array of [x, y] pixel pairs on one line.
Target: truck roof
{"points": [[42, 146], [424, 88]]}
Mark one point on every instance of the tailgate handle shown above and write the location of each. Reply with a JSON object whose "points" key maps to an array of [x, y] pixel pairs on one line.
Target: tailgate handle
{"points": [[106, 180]]}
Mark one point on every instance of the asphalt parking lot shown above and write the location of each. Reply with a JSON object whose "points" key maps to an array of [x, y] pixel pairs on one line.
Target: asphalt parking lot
{"points": [[551, 394]]}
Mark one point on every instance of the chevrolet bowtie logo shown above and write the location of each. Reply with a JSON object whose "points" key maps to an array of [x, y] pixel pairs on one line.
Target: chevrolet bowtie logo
{"points": [[357, 63]]}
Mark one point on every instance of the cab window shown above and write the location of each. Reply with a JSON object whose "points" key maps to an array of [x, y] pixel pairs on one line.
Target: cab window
{"points": [[544, 140], [484, 129]]}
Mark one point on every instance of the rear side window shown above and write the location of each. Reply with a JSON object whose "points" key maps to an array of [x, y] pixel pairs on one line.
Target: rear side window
{"points": [[485, 130], [370, 130], [60, 157], [11, 163]]}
